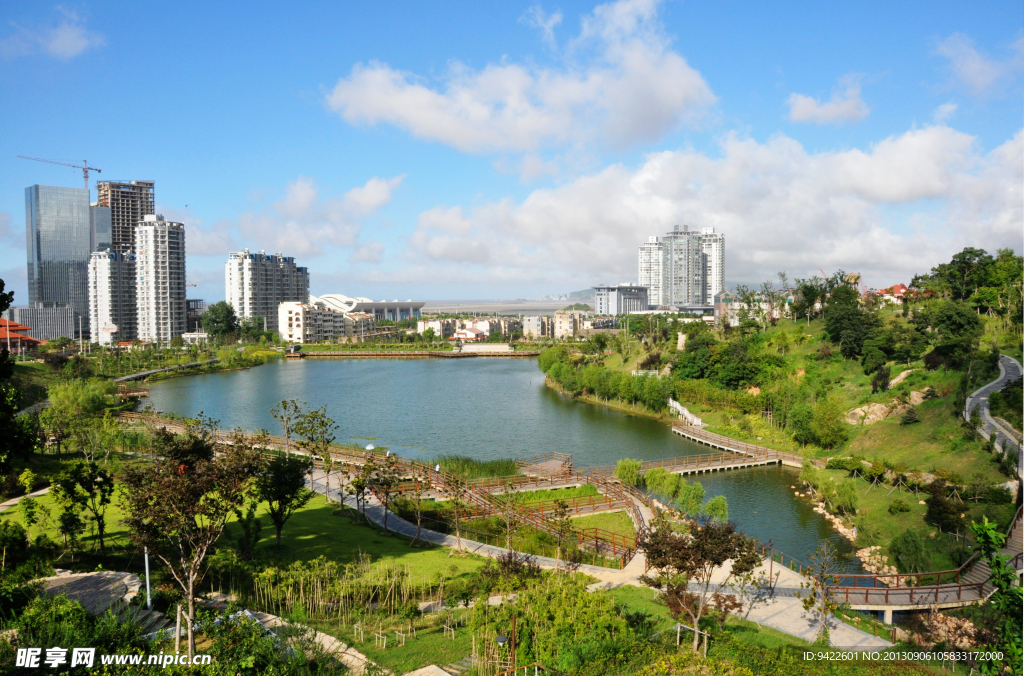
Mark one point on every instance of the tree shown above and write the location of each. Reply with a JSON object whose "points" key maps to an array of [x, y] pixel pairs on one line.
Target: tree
{"points": [[627, 471], [90, 488], [282, 485], [219, 320], [384, 479], [416, 496], [682, 559], [288, 412], [822, 575], [456, 508], [827, 425], [1006, 600], [809, 292], [908, 551], [508, 504], [562, 523], [178, 510]]}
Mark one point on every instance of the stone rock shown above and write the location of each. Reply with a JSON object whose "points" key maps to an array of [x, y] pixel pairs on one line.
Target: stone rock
{"points": [[868, 414]]}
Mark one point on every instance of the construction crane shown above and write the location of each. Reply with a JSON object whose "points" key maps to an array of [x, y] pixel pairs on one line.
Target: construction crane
{"points": [[84, 166]]}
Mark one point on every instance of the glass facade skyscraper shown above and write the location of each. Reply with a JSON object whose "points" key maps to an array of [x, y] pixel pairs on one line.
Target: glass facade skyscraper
{"points": [[62, 230]]}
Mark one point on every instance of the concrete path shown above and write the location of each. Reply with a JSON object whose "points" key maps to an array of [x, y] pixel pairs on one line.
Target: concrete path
{"points": [[1009, 369], [7, 504], [784, 613]]}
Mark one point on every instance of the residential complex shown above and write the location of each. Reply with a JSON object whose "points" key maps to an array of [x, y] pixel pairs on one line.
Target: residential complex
{"points": [[255, 284], [443, 328], [568, 324], [683, 268], [316, 323], [129, 203], [62, 229], [622, 299], [538, 327], [112, 310], [160, 279]]}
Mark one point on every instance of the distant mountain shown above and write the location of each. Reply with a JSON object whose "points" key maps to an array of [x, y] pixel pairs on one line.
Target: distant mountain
{"points": [[584, 295]]}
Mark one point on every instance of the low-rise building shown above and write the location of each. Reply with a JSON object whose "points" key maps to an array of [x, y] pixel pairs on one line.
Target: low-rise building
{"points": [[309, 323], [358, 325], [443, 328], [730, 308], [568, 324], [621, 299], [591, 323], [470, 335], [195, 337], [14, 337], [49, 321], [537, 327], [893, 295]]}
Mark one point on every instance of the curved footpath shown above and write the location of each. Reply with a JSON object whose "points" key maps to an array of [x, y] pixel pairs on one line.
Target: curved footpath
{"points": [[1009, 369], [783, 611]]}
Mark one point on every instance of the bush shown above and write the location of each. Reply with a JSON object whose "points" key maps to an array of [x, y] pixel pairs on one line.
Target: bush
{"points": [[898, 506], [907, 551]]}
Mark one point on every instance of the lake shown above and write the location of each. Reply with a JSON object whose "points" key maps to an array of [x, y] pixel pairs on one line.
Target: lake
{"points": [[486, 409]]}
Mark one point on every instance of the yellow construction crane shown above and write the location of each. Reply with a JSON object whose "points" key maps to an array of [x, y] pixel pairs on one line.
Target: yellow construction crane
{"points": [[84, 166]]}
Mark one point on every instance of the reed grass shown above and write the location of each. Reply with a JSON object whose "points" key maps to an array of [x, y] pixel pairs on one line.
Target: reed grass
{"points": [[470, 468]]}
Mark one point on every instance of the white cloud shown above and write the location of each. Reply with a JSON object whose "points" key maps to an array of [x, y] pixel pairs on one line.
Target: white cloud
{"points": [[974, 71], [7, 233], [304, 223], [845, 106], [780, 207], [537, 18], [371, 252], [945, 111], [632, 88], [200, 240], [65, 40]]}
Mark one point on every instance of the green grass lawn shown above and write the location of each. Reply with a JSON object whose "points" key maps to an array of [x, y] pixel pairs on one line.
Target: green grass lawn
{"points": [[616, 522], [567, 493], [322, 529], [429, 646], [937, 442]]}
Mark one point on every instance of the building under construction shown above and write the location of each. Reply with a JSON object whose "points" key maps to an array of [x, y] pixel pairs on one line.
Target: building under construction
{"points": [[130, 202]]}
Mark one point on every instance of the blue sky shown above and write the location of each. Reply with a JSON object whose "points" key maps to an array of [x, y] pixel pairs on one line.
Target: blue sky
{"points": [[500, 149]]}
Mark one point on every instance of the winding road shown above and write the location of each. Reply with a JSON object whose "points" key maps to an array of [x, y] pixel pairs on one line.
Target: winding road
{"points": [[1009, 369]]}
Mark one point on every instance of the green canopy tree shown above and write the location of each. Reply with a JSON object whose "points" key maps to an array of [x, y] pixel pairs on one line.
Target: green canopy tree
{"points": [[87, 487], [219, 320], [282, 485]]}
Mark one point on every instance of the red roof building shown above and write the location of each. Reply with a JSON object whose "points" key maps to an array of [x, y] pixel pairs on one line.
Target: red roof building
{"points": [[14, 336]]}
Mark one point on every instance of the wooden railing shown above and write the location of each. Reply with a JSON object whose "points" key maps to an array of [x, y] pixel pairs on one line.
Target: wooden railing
{"points": [[565, 460], [735, 445], [891, 590]]}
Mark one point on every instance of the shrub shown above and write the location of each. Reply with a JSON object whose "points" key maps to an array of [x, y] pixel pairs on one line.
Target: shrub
{"points": [[910, 417], [898, 506], [846, 498], [907, 550]]}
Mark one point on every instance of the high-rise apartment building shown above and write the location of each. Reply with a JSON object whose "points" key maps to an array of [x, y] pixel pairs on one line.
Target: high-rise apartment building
{"points": [[255, 284], [159, 279], [652, 264], [112, 311], [674, 269], [129, 202], [61, 230], [713, 245]]}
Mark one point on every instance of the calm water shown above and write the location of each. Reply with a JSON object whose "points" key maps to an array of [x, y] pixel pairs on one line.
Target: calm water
{"points": [[484, 408]]}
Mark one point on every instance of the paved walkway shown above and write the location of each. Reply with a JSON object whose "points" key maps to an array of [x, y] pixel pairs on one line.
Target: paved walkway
{"points": [[784, 613], [1009, 369], [7, 504]]}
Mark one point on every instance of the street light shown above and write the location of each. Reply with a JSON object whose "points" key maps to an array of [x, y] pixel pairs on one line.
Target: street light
{"points": [[502, 640]]}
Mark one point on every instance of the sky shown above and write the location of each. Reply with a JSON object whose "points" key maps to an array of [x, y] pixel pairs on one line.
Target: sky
{"points": [[489, 150]]}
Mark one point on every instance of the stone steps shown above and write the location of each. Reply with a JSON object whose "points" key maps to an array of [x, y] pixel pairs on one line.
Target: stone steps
{"points": [[460, 667]]}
